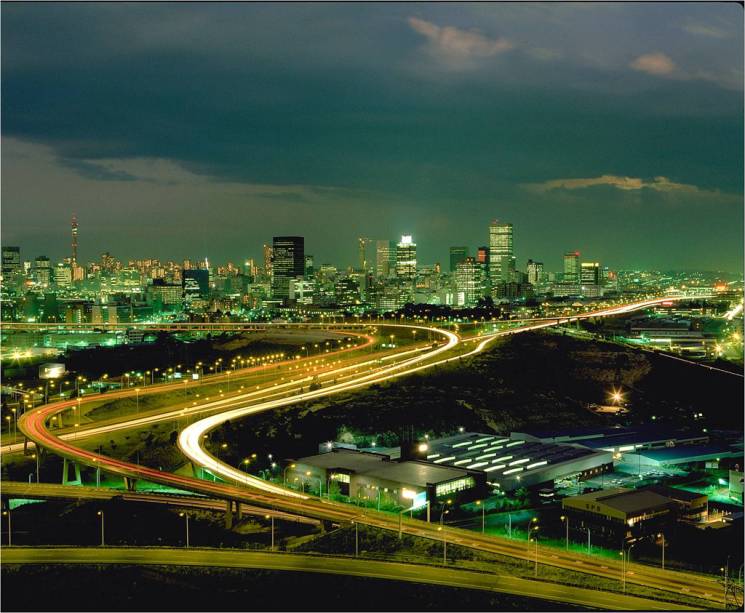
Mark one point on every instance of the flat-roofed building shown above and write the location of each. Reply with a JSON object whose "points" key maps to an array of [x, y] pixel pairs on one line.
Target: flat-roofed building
{"points": [[617, 514]]}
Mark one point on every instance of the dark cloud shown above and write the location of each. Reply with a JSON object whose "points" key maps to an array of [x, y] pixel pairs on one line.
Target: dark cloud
{"points": [[350, 102]]}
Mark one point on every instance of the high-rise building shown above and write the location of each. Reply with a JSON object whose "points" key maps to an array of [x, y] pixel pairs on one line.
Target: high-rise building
{"points": [[288, 262], [196, 282], [385, 258], [571, 267], [406, 259], [590, 279], [535, 272], [268, 262], [590, 273], [501, 252], [457, 255], [482, 256], [469, 282], [62, 275], [74, 258], [11, 261], [42, 271]]}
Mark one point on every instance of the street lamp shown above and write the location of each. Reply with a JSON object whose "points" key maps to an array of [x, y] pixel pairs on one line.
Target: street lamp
{"points": [[564, 518], [272, 518], [10, 530], [186, 518], [137, 395], [101, 515], [662, 536], [483, 516]]}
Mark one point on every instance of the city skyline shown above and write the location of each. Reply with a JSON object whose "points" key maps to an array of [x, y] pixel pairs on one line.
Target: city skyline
{"points": [[628, 148]]}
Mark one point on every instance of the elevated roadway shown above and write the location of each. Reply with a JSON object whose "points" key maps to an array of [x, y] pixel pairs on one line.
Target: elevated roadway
{"points": [[356, 567], [244, 488]]}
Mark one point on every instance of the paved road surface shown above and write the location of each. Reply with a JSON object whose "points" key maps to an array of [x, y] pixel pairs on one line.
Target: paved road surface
{"points": [[394, 571]]}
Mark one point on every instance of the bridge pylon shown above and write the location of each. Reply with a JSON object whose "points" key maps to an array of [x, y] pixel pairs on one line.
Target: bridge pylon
{"points": [[78, 479]]}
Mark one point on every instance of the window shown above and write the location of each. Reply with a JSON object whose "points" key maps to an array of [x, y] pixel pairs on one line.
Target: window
{"points": [[443, 489]]}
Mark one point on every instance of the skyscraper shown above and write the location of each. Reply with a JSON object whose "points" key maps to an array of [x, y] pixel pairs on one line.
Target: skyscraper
{"points": [[385, 258], [268, 262], [43, 271], [11, 261], [482, 256], [406, 259], [501, 254], [535, 272], [457, 255], [469, 282], [288, 262], [590, 279], [571, 267]]}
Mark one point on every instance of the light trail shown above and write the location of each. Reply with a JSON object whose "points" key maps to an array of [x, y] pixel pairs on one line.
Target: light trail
{"points": [[33, 425]]}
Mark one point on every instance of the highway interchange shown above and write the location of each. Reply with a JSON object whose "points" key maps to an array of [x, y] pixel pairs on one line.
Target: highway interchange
{"points": [[345, 375]]}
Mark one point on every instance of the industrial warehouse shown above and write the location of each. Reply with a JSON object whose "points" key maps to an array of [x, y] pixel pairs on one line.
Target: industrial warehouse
{"points": [[468, 464]]}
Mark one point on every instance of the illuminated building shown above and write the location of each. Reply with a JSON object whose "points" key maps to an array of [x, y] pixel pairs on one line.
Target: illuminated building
{"points": [[571, 267], [501, 253], [406, 259], [482, 255], [62, 275], [385, 258], [268, 262], [469, 282], [42, 271], [590, 279], [309, 269], [11, 261], [302, 290], [195, 282], [288, 262], [535, 272], [457, 255]]}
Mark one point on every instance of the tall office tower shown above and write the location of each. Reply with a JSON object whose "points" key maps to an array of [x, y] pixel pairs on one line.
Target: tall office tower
{"points": [[288, 262], [385, 258], [501, 254], [482, 256], [62, 275], [571, 267], [42, 270], [590, 273], [268, 262], [469, 282], [535, 272], [196, 282], [309, 268], [74, 260], [249, 268], [11, 261], [406, 259], [457, 255], [364, 259]]}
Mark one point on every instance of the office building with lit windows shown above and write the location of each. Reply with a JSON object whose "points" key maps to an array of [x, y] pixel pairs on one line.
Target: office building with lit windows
{"points": [[406, 259], [457, 255], [501, 253], [288, 262]]}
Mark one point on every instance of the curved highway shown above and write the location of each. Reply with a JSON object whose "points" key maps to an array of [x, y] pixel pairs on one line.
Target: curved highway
{"points": [[33, 425]]}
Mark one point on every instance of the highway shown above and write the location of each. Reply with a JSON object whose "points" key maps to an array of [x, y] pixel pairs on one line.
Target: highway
{"points": [[261, 493], [53, 491], [392, 571]]}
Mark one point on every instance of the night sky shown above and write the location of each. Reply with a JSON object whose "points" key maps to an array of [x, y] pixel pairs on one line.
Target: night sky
{"points": [[193, 130]]}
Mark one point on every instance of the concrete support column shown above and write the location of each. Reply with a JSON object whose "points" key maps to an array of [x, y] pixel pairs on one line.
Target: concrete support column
{"points": [[66, 473], [229, 514], [238, 511], [130, 484]]}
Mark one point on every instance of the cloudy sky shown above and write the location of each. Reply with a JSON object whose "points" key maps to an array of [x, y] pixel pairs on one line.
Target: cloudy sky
{"points": [[192, 130]]}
